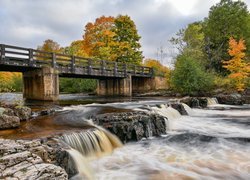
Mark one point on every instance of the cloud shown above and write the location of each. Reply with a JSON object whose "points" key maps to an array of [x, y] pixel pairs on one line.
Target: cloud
{"points": [[28, 22]]}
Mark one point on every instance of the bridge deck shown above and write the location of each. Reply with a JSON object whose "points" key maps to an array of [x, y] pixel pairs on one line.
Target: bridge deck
{"points": [[20, 59]]}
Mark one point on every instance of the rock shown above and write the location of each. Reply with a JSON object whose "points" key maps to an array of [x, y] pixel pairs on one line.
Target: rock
{"points": [[2, 110], [25, 160], [230, 99], [179, 107], [132, 126], [42, 171], [47, 112], [23, 112], [195, 102], [7, 122], [9, 112]]}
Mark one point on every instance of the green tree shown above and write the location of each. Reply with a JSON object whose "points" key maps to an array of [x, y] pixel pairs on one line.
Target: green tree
{"points": [[191, 41], [128, 48], [226, 19], [189, 76]]}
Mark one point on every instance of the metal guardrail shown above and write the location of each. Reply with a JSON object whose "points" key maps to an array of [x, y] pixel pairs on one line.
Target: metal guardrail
{"points": [[66, 64]]}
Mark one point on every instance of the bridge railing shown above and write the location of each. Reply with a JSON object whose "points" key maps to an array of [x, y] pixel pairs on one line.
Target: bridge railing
{"points": [[26, 57]]}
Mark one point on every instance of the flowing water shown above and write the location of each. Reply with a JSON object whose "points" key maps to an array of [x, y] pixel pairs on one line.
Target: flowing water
{"points": [[212, 143]]}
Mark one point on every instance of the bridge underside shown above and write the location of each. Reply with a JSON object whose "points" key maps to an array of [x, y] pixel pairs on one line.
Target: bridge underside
{"points": [[43, 84]]}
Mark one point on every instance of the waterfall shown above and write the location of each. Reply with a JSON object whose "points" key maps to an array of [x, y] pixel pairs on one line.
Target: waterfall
{"points": [[168, 112], [188, 109], [81, 164], [89, 144], [93, 142], [212, 101]]}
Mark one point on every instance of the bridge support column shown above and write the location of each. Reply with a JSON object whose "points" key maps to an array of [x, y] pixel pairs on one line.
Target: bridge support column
{"points": [[41, 84], [142, 84], [115, 87]]}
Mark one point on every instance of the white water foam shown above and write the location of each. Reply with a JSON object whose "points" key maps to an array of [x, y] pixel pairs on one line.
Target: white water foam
{"points": [[191, 155]]}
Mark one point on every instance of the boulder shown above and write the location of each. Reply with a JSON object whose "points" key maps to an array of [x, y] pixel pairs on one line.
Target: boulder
{"points": [[23, 112], [230, 99], [195, 102], [132, 126], [7, 122], [9, 112]]}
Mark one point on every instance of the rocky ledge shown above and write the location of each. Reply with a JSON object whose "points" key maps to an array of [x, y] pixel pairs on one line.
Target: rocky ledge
{"points": [[132, 126], [20, 159], [231, 99]]}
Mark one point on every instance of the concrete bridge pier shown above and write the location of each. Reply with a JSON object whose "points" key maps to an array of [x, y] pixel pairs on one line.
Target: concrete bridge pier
{"points": [[115, 87], [41, 84], [145, 84]]}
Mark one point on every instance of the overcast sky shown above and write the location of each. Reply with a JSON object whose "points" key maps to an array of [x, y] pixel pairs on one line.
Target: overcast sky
{"points": [[29, 22]]}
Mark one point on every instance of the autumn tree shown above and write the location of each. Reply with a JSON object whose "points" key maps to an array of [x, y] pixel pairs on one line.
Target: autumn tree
{"points": [[98, 38], [50, 46], [114, 39], [238, 67], [128, 40], [76, 48], [10, 81], [159, 69], [227, 18]]}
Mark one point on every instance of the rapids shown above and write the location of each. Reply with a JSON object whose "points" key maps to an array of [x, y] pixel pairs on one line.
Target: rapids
{"points": [[208, 144], [211, 143]]}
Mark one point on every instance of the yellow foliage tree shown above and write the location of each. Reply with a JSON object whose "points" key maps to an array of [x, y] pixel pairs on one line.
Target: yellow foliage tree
{"points": [[10, 81], [238, 67], [159, 69]]}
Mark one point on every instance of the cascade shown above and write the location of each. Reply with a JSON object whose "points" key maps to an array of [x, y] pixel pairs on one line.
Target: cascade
{"points": [[168, 112], [212, 101], [93, 142], [89, 144], [188, 109], [81, 164]]}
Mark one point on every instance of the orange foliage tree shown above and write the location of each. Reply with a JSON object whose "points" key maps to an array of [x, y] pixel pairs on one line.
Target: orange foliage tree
{"points": [[98, 38], [239, 69]]}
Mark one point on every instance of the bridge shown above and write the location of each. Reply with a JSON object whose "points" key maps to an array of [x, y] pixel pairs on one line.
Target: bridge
{"points": [[41, 71]]}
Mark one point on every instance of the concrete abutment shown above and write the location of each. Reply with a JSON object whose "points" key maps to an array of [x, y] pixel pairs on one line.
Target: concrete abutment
{"points": [[115, 87], [41, 84]]}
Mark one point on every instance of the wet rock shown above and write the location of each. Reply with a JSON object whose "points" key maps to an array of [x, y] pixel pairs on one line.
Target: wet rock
{"points": [[179, 107], [230, 99], [47, 112], [23, 112], [7, 122], [195, 102], [132, 126]]}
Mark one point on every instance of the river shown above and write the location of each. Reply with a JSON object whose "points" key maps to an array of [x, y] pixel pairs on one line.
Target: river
{"points": [[211, 143]]}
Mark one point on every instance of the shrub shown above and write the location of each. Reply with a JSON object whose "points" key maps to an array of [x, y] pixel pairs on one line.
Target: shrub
{"points": [[70, 85], [189, 77]]}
